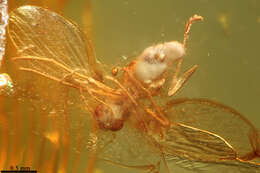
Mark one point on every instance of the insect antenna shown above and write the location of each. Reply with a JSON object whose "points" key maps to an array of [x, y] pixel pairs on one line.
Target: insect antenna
{"points": [[188, 26]]}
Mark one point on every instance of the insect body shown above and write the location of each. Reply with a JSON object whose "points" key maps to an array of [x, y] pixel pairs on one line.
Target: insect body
{"points": [[55, 49], [148, 70]]}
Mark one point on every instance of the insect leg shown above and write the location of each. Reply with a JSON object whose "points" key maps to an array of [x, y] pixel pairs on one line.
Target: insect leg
{"points": [[178, 82], [51, 61], [123, 88], [83, 98], [175, 77], [152, 168], [159, 114], [70, 75], [33, 58], [47, 76], [92, 81], [64, 83], [164, 161]]}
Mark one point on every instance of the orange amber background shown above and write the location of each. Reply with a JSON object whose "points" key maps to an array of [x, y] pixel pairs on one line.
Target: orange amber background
{"points": [[225, 46]]}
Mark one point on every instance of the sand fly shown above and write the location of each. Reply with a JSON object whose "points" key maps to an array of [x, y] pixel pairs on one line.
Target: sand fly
{"points": [[137, 126]]}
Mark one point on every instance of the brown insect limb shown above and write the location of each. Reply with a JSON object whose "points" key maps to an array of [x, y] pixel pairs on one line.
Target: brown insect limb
{"points": [[188, 26], [99, 100], [105, 94], [102, 86], [123, 88], [175, 74], [92, 58], [69, 75], [44, 60], [134, 102], [89, 79], [178, 68], [159, 115], [177, 83], [147, 168], [65, 83], [83, 98], [140, 117], [47, 76], [90, 92], [164, 122], [164, 160]]}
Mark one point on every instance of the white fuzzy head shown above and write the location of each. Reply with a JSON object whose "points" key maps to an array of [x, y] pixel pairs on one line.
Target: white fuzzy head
{"points": [[173, 50], [155, 60]]}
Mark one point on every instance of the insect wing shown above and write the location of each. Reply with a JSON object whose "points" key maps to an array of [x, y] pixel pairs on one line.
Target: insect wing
{"points": [[224, 124], [42, 37], [196, 144], [232, 166], [128, 148]]}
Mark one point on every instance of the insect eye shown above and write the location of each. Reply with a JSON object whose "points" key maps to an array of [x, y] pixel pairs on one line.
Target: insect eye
{"points": [[154, 54], [161, 56], [159, 53]]}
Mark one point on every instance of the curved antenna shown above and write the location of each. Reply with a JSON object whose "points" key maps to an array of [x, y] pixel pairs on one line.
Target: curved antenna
{"points": [[188, 26]]}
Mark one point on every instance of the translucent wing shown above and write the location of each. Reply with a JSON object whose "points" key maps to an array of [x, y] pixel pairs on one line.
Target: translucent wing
{"points": [[196, 144], [225, 123], [184, 146], [231, 166], [128, 148], [48, 43]]}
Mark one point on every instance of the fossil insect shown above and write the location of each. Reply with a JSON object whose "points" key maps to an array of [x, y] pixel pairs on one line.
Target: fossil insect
{"points": [[133, 129]]}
